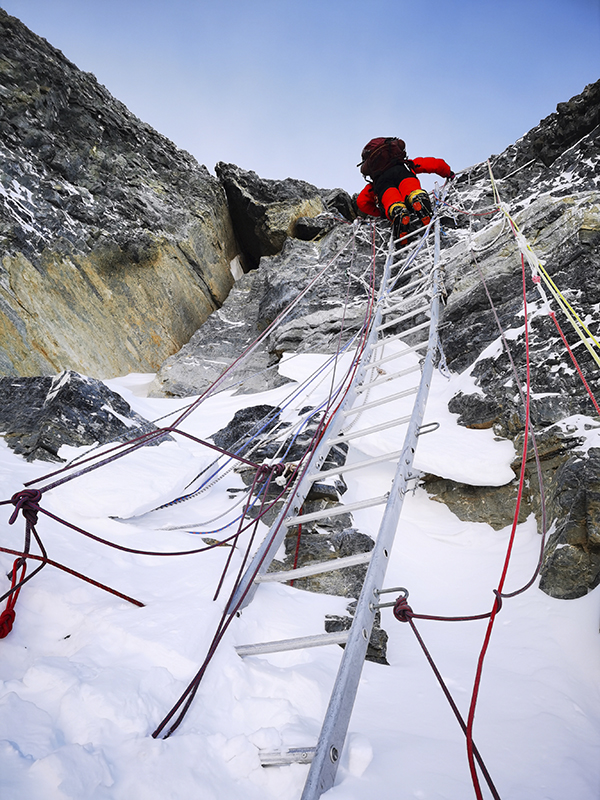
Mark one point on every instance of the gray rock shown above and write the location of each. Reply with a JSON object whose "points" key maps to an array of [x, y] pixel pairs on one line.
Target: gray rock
{"points": [[40, 414], [475, 410], [313, 325], [377, 647], [571, 566], [339, 200], [554, 197], [249, 422], [309, 228], [114, 245], [326, 546], [264, 212]]}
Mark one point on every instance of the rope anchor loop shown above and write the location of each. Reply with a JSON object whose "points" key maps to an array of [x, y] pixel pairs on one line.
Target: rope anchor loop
{"points": [[402, 611], [25, 501], [275, 470]]}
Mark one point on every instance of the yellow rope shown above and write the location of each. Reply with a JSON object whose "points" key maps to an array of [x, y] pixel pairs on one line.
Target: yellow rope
{"points": [[538, 269]]}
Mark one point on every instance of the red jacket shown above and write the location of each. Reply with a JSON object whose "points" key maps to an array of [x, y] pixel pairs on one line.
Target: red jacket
{"points": [[367, 199]]}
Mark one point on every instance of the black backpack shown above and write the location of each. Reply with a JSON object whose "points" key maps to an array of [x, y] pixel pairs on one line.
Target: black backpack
{"points": [[381, 154]]}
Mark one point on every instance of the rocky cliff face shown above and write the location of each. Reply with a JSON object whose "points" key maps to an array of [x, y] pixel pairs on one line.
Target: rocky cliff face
{"points": [[259, 298], [550, 181], [115, 246]]}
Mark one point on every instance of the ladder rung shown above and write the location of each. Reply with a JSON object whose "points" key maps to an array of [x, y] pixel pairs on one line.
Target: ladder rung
{"points": [[398, 336], [401, 290], [367, 462], [336, 510], [302, 642], [404, 301], [314, 569], [391, 357], [281, 758], [390, 323], [409, 314], [390, 398], [408, 271], [373, 429], [385, 378]]}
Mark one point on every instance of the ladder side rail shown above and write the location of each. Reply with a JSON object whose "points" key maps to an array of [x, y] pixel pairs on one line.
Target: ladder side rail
{"points": [[324, 766], [270, 545]]}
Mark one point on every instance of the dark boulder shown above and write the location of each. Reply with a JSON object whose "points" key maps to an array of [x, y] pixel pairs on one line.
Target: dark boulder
{"points": [[264, 211], [309, 228], [339, 200], [571, 565], [40, 414], [253, 422]]}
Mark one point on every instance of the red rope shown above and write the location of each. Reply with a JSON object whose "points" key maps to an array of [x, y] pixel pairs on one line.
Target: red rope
{"points": [[574, 360], [297, 553], [7, 617], [73, 572], [484, 648], [538, 465], [404, 613], [26, 502]]}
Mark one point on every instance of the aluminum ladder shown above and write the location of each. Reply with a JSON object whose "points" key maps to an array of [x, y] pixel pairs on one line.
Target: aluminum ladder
{"points": [[325, 756]]}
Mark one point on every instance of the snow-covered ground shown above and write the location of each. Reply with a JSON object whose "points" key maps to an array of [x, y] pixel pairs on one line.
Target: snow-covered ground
{"points": [[85, 677]]}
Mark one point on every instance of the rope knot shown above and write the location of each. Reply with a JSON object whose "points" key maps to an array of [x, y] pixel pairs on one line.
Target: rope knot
{"points": [[262, 472], [7, 618], [26, 501], [402, 611], [498, 603], [274, 470]]}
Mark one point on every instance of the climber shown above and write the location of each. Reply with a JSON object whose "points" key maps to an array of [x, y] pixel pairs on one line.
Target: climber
{"points": [[395, 189]]}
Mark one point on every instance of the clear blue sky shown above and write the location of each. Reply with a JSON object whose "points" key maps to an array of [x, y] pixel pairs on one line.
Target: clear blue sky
{"points": [[294, 88]]}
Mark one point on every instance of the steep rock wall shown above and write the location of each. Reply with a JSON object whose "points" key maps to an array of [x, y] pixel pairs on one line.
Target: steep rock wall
{"points": [[550, 182], [114, 245]]}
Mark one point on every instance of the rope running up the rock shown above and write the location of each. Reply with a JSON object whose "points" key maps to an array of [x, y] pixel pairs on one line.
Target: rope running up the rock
{"points": [[185, 700], [28, 501]]}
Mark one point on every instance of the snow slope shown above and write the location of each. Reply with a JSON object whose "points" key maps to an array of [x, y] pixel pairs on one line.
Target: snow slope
{"points": [[85, 677]]}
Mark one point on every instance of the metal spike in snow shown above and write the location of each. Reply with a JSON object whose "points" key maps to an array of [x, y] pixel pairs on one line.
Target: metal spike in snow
{"points": [[333, 733]]}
